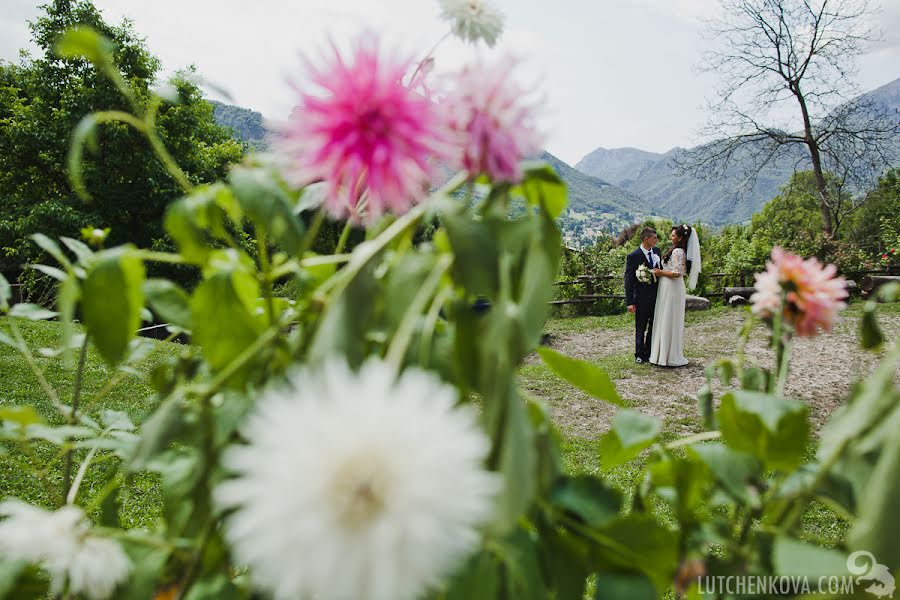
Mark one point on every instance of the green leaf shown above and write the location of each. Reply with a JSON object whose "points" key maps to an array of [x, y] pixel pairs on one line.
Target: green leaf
{"points": [[343, 326], [268, 206], [58, 435], [735, 471], [84, 42], [518, 459], [590, 379], [772, 429], [793, 558], [148, 561], [156, 433], [5, 293], [112, 299], [192, 220], [537, 284], [479, 579], [565, 558], [622, 586], [631, 433], [636, 542], [519, 553], [19, 580], [224, 317], [870, 404], [684, 483], [78, 248], [754, 379], [169, 302], [116, 420], [591, 500], [878, 522], [51, 248], [23, 416], [543, 187], [32, 312], [475, 265], [57, 274], [870, 334]]}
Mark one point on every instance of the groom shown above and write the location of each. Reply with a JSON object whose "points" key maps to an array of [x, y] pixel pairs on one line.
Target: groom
{"points": [[641, 297]]}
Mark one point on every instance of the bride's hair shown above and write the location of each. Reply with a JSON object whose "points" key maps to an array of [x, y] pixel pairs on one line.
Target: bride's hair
{"points": [[684, 232]]}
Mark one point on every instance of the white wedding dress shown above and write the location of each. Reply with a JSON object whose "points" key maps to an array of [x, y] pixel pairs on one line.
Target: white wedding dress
{"points": [[667, 345]]}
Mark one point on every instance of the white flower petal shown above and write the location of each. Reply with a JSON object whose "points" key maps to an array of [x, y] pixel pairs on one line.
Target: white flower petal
{"points": [[357, 485]]}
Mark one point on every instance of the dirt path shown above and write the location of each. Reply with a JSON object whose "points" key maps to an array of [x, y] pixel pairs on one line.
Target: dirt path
{"points": [[823, 370]]}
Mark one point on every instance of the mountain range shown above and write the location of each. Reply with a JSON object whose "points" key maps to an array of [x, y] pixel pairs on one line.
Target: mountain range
{"points": [[655, 177], [612, 188]]}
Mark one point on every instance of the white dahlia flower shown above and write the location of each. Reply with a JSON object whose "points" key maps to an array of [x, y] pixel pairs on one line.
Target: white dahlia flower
{"points": [[473, 20], [357, 485], [62, 543]]}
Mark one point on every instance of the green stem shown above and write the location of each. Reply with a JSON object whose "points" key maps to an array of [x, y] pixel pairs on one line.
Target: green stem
{"points": [[239, 362], [266, 270], [345, 234], [783, 367], [119, 82], [73, 414], [73, 491], [312, 233], [430, 323], [405, 330], [693, 439], [114, 116], [372, 248], [330, 259], [38, 373], [162, 257]]}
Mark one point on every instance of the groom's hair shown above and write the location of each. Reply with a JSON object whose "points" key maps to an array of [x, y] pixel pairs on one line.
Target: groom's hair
{"points": [[647, 232]]}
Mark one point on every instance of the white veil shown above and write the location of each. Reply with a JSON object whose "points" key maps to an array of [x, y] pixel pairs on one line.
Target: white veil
{"points": [[693, 255]]}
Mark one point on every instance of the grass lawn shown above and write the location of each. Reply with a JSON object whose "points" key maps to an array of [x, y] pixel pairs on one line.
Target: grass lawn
{"points": [[132, 393]]}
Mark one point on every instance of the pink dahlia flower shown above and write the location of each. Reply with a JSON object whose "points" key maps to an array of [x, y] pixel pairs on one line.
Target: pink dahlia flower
{"points": [[493, 122], [364, 133], [812, 294]]}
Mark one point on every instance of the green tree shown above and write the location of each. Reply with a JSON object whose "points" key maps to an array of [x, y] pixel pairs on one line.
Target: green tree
{"points": [[42, 100], [792, 220], [875, 228]]}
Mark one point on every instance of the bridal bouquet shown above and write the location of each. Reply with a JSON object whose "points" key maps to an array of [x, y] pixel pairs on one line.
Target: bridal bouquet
{"points": [[645, 275]]}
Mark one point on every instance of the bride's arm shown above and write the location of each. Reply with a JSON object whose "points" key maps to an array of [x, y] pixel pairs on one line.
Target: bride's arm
{"points": [[679, 264]]}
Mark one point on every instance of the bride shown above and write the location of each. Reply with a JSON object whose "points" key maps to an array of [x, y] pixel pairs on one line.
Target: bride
{"points": [[667, 345]]}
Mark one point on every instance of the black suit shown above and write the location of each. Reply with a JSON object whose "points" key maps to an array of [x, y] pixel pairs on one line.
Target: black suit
{"points": [[643, 297]]}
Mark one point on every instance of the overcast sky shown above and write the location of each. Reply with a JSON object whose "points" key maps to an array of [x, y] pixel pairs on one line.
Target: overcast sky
{"points": [[614, 73]]}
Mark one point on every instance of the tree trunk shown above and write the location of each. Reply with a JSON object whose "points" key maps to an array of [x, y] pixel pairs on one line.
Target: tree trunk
{"points": [[813, 145]]}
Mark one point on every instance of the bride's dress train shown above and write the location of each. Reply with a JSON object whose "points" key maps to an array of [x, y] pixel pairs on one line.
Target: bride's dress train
{"points": [[667, 345]]}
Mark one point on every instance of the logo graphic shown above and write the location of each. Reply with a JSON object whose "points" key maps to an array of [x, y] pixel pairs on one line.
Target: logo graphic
{"points": [[883, 584]]}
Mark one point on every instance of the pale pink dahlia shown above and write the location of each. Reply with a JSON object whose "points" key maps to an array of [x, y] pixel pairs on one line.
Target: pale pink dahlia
{"points": [[364, 133], [812, 294], [493, 121]]}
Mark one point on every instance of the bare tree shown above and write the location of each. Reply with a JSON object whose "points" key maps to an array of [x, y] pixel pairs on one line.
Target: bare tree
{"points": [[796, 59]]}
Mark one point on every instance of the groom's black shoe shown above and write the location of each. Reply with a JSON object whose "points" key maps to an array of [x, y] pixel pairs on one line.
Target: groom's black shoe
{"points": [[639, 360]]}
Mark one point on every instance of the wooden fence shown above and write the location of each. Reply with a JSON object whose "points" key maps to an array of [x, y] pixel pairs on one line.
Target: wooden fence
{"points": [[716, 286]]}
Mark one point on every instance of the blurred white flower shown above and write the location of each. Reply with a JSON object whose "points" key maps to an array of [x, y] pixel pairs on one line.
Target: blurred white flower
{"points": [[357, 485], [63, 544], [473, 20]]}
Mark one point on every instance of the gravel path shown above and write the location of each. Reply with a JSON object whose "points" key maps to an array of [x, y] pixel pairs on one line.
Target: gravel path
{"points": [[823, 370]]}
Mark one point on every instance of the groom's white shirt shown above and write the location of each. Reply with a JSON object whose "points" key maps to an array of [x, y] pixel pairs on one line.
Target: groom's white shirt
{"points": [[651, 256]]}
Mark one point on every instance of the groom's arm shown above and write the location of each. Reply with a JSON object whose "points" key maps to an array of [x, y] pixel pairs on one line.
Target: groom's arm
{"points": [[630, 280]]}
